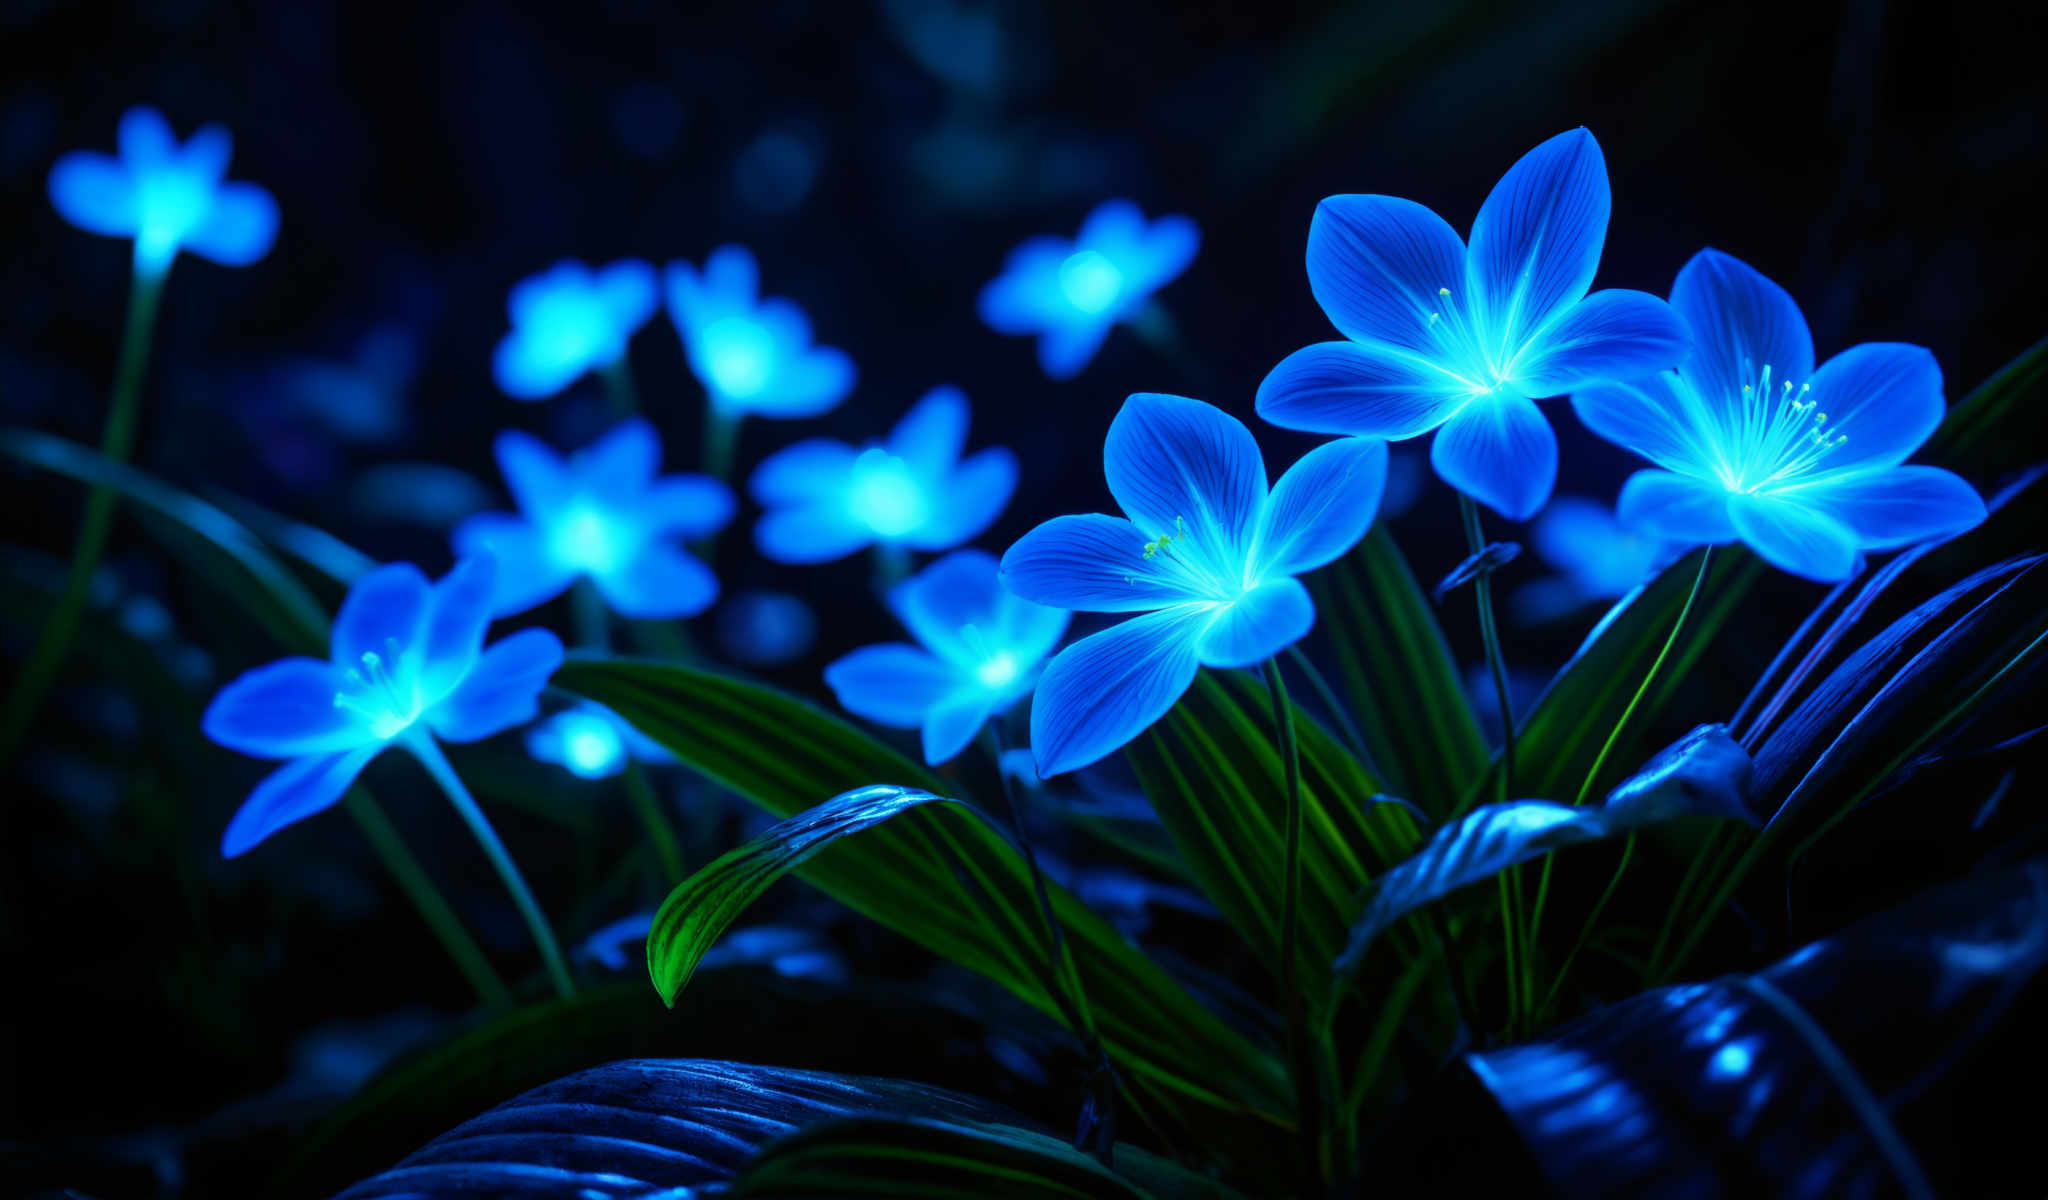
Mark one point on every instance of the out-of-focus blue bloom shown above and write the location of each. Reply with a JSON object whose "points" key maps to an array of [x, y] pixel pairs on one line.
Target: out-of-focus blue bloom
{"points": [[591, 742], [826, 499], [777, 169], [600, 514], [1465, 338], [408, 662], [766, 629], [166, 196], [568, 320], [1598, 557], [1203, 549], [1069, 293], [979, 651], [360, 398], [752, 354], [1758, 445], [608, 945]]}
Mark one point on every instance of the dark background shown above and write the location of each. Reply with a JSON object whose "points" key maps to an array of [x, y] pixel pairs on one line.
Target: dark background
{"points": [[1880, 160]]}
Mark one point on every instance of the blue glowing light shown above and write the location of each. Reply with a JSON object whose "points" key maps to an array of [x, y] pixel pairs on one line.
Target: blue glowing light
{"points": [[1467, 338], [569, 320], [979, 649], [1070, 293], [1732, 1061], [1205, 550], [1597, 556], [766, 629], [826, 499], [408, 662], [601, 514], [752, 354], [1755, 443], [584, 741], [165, 196]]}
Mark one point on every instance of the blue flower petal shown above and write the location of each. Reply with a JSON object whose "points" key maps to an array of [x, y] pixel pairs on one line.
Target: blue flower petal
{"points": [[1321, 506], [659, 583], [1018, 300], [502, 690], [1107, 688], [1089, 563], [893, 683], [687, 506], [972, 498], [732, 273], [1168, 457], [621, 464], [285, 709], [953, 723], [931, 435], [458, 612], [1741, 322], [1898, 506], [1258, 625], [1677, 508], [1067, 346], [145, 139], [94, 192], [539, 479], [1342, 387], [1537, 240], [629, 292], [239, 227], [1378, 266], [384, 612], [1115, 223], [1794, 537], [1500, 451], [1029, 630], [526, 367], [803, 472], [958, 590], [1884, 397], [292, 793], [808, 385], [1658, 416], [1611, 334], [810, 533], [528, 573], [206, 153], [1169, 246]]}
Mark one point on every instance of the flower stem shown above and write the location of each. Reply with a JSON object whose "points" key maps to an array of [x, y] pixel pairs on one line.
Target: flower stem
{"points": [[412, 879], [1290, 893], [892, 565], [721, 434], [649, 809], [593, 624], [1308, 1054], [618, 387], [429, 753], [1508, 883], [116, 443]]}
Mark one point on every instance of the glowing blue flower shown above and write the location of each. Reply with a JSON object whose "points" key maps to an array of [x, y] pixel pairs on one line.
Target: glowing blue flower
{"points": [[1598, 557], [601, 514], [1071, 292], [1758, 445], [1468, 338], [568, 320], [408, 664], [980, 650], [591, 742], [826, 499], [166, 196], [752, 354], [766, 628], [1204, 550]]}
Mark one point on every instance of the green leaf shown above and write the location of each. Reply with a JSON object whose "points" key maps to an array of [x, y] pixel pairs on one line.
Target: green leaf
{"points": [[1978, 436], [1398, 674], [953, 886], [1214, 776], [928, 1157]]}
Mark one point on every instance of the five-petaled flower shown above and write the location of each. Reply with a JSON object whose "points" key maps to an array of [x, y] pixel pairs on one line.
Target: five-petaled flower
{"points": [[826, 499], [166, 196], [1203, 549], [753, 354], [568, 320], [980, 650], [408, 664], [601, 514], [1467, 338], [1071, 292], [1803, 464], [591, 742]]}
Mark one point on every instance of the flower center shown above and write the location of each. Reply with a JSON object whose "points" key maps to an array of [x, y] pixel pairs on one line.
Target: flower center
{"points": [[389, 700], [584, 539], [994, 666], [737, 355], [1090, 282], [885, 496], [1464, 355], [169, 204], [1783, 434], [590, 746]]}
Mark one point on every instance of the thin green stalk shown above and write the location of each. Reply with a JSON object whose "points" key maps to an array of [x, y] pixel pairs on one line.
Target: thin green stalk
{"points": [[721, 434], [649, 809], [1309, 1050], [593, 622], [412, 879], [425, 749], [117, 441], [1600, 760], [1508, 884], [618, 387], [1290, 887], [1353, 738], [1713, 850], [892, 565]]}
